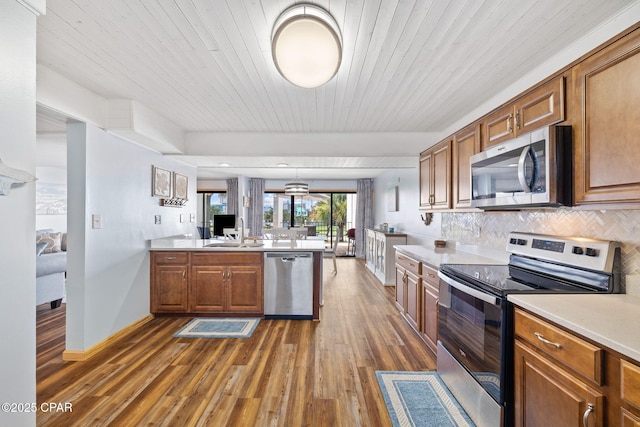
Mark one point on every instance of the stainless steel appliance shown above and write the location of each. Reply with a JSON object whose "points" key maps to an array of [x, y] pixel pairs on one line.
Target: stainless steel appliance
{"points": [[288, 285], [475, 320], [533, 169]]}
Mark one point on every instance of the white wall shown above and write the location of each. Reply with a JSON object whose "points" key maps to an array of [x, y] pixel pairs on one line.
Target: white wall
{"points": [[17, 210], [108, 268], [407, 218]]}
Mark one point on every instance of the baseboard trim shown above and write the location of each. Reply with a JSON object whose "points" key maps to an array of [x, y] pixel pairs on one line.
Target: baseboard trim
{"points": [[84, 355]]}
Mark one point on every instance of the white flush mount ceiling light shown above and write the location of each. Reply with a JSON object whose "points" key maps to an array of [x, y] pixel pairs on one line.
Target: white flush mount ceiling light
{"points": [[306, 45]]}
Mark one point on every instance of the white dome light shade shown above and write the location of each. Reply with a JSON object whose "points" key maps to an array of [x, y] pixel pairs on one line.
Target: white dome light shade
{"points": [[306, 46]]}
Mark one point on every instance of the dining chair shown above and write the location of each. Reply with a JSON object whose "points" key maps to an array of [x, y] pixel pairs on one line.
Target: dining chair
{"points": [[331, 253], [351, 244], [300, 233]]}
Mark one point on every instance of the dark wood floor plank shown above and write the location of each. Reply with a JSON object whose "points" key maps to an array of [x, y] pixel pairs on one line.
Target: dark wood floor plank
{"points": [[289, 373]]}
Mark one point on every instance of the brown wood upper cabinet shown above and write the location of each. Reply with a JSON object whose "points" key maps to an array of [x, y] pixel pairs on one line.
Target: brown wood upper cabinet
{"points": [[543, 106], [607, 130], [465, 144], [435, 176]]}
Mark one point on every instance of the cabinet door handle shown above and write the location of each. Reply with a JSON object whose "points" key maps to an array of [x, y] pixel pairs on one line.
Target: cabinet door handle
{"points": [[184, 274], [585, 417], [518, 120], [509, 127], [546, 341]]}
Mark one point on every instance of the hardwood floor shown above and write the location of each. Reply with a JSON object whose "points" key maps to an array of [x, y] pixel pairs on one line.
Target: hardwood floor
{"points": [[289, 373]]}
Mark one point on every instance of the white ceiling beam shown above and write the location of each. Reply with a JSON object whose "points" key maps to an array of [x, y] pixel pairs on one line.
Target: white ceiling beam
{"points": [[136, 123], [390, 144], [37, 7], [63, 95]]}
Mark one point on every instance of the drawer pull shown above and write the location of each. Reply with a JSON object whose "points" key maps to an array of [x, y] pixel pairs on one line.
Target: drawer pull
{"points": [[169, 258], [585, 417], [546, 341]]}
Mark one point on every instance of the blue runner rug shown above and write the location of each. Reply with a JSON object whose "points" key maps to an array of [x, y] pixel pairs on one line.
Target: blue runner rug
{"points": [[218, 328], [420, 399]]}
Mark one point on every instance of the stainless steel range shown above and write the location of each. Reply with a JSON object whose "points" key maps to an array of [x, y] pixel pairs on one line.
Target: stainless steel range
{"points": [[475, 320]]}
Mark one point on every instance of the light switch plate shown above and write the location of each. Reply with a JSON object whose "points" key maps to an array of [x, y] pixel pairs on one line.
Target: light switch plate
{"points": [[96, 221], [181, 218]]}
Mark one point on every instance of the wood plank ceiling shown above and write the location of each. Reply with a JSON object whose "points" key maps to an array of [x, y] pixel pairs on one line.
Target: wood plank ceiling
{"points": [[408, 65]]}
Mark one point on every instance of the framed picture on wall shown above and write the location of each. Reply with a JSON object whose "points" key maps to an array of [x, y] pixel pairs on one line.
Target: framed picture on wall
{"points": [[180, 186], [161, 182]]}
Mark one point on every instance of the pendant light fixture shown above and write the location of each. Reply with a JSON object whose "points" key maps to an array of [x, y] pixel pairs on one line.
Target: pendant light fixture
{"points": [[296, 187], [306, 45]]}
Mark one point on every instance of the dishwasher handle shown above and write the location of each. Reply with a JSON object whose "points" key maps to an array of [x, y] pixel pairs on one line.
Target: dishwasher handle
{"points": [[288, 255]]}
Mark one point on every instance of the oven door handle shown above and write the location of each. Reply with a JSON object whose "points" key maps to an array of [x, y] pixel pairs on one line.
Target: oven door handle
{"points": [[469, 290]]}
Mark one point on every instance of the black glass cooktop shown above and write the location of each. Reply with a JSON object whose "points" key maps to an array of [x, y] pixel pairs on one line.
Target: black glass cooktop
{"points": [[493, 278], [501, 279]]}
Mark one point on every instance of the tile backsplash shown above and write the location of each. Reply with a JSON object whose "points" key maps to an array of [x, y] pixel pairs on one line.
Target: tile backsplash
{"points": [[492, 228]]}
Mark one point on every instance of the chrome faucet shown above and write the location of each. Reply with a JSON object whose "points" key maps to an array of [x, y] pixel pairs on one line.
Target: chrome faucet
{"points": [[241, 229]]}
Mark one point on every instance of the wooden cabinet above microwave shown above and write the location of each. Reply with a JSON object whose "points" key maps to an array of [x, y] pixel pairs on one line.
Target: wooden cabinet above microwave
{"points": [[541, 107]]}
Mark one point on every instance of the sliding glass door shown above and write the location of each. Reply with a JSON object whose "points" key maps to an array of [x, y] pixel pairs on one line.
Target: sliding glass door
{"points": [[329, 215]]}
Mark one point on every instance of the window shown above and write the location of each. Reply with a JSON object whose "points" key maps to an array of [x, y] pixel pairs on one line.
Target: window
{"points": [[210, 203]]}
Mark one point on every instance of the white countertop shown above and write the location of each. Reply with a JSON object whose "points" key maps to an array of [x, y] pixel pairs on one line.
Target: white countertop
{"points": [[191, 244], [448, 255], [611, 320]]}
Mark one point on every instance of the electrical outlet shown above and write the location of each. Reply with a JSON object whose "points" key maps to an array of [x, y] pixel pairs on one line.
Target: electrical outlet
{"points": [[181, 218], [158, 219]]}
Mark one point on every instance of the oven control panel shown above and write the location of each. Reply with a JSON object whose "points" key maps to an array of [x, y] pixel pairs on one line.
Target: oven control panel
{"points": [[576, 251]]}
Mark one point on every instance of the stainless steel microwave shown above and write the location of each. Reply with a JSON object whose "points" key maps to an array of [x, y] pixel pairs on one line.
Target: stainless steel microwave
{"points": [[532, 170]]}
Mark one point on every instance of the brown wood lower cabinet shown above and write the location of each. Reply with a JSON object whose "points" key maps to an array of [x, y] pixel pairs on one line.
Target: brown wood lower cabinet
{"points": [[417, 297], [429, 308], [563, 379], [548, 395], [630, 394], [207, 283], [408, 288], [169, 289]]}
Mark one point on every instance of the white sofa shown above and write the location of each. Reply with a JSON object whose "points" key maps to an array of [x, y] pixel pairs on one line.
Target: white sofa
{"points": [[51, 270]]}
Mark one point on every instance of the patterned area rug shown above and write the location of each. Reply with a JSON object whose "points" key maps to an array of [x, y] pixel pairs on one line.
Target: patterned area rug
{"points": [[218, 328], [420, 399]]}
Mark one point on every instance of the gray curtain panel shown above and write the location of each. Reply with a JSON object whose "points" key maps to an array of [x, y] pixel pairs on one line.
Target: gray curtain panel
{"points": [[256, 206], [364, 213], [232, 196]]}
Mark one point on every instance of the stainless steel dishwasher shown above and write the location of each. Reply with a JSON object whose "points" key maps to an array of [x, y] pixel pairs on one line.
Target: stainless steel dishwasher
{"points": [[288, 285]]}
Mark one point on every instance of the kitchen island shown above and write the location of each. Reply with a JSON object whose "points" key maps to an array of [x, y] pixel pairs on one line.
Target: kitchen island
{"points": [[211, 277]]}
